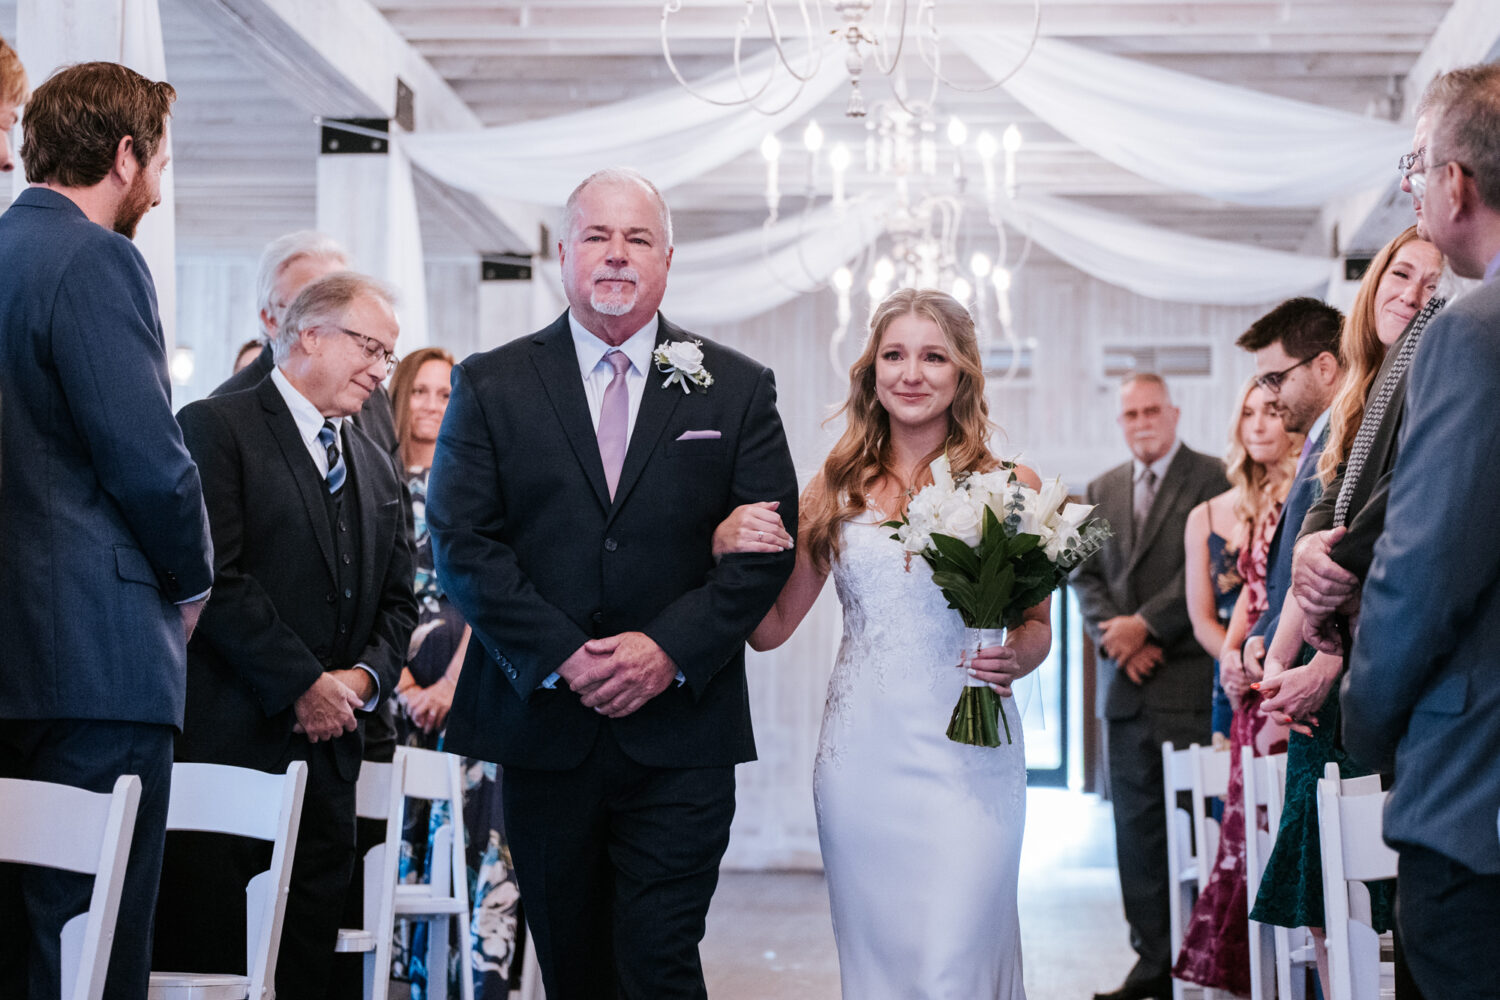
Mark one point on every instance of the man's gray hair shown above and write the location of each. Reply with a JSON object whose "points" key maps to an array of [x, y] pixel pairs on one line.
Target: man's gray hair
{"points": [[1465, 108], [1146, 378], [615, 175], [323, 302], [285, 250]]}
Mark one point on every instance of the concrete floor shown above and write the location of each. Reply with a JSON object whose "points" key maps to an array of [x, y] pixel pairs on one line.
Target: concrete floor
{"points": [[769, 935]]}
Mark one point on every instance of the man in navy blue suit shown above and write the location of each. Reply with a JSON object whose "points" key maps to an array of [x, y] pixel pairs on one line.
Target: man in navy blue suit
{"points": [[1296, 348], [105, 557]]}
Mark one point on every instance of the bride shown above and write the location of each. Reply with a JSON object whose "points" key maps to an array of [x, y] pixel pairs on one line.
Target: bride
{"points": [[921, 836]]}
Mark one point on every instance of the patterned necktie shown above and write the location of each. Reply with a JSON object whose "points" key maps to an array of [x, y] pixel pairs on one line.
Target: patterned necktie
{"points": [[328, 437], [1369, 424], [1145, 495], [614, 421]]}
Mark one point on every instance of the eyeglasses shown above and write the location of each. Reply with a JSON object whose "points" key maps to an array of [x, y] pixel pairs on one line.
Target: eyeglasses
{"points": [[1417, 177], [1272, 381], [1409, 162], [373, 349]]}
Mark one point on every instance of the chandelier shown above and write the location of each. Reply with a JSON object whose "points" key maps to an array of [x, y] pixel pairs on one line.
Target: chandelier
{"points": [[899, 31], [923, 186]]}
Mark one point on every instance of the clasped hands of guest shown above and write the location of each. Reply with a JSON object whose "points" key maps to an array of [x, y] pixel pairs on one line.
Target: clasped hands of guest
{"points": [[1293, 695], [326, 710], [1126, 639], [1241, 668], [616, 675], [1323, 588]]}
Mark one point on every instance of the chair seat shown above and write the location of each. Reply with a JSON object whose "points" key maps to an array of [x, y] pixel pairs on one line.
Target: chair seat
{"points": [[419, 899], [198, 986], [354, 940], [1188, 874]]}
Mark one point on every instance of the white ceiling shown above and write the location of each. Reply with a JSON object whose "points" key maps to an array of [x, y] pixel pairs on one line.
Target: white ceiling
{"points": [[246, 145]]}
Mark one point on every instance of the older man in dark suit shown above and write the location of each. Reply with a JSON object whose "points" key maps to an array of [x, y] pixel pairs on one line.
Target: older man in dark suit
{"points": [[287, 265], [308, 625], [104, 546], [1422, 695], [1155, 681], [572, 505]]}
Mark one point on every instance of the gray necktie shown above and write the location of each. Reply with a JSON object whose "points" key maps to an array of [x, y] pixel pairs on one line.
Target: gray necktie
{"points": [[1369, 424], [1145, 495], [328, 437], [614, 421]]}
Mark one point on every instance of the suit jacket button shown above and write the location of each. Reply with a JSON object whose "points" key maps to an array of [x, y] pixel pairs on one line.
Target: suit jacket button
{"points": [[348, 593], [343, 630], [597, 617], [332, 597], [610, 545]]}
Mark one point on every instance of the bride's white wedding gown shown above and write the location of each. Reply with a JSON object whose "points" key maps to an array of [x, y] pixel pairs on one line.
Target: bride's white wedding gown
{"points": [[921, 836]]}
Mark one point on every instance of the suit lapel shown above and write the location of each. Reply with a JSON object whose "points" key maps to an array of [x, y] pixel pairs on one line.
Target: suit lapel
{"points": [[310, 486], [657, 407], [361, 454], [556, 362]]}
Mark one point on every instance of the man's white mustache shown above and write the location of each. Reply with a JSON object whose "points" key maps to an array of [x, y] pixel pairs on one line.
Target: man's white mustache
{"points": [[616, 274]]}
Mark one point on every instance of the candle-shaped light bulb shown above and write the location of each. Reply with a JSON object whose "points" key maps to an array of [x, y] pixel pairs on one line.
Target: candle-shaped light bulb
{"points": [[958, 132], [812, 137]]}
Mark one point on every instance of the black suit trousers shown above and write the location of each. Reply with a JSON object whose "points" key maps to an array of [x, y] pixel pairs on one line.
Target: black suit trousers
{"points": [[617, 863], [1448, 917], [1135, 783], [36, 902], [202, 911]]}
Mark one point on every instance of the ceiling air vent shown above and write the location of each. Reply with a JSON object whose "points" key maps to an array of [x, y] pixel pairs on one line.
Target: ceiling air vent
{"points": [[1167, 360]]}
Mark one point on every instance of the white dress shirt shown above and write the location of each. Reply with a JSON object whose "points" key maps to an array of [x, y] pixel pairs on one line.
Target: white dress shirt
{"points": [[597, 373], [309, 422]]}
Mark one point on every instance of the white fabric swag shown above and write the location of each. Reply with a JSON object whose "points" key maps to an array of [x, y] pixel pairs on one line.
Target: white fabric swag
{"points": [[669, 136], [1190, 133], [1159, 263]]}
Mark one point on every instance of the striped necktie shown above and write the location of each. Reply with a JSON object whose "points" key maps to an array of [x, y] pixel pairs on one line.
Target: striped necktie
{"points": [[329, 438]]}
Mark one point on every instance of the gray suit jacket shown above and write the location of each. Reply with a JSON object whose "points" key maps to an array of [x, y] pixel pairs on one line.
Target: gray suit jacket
{"points": [[1145, 576], [1423, 688]]}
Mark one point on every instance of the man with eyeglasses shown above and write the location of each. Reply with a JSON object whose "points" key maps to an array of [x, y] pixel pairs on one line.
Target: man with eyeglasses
{"points": [[287, 265], [308, 625], [1421, 698]]}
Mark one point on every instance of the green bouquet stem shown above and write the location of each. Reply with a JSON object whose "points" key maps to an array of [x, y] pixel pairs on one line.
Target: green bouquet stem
{"points": [[980, 713]]}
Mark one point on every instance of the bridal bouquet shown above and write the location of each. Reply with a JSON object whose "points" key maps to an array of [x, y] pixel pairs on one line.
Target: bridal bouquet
{"points": [[996, 547]]}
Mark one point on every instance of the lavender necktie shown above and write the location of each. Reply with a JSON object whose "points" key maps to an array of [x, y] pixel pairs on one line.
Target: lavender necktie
{"points": [[614, 421]]}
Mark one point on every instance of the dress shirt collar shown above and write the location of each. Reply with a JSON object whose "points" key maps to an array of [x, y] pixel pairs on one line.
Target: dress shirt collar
{"points": [[591, 349], [1160, 465], [309, 420], [1493, 269], [1316, 430]]}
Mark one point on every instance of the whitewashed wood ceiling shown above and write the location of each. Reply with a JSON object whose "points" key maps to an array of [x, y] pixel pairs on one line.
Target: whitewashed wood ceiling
{"points": [[246, 144]]}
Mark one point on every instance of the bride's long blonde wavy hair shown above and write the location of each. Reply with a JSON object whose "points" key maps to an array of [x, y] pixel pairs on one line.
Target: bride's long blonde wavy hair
{"points": [[862, 456]]}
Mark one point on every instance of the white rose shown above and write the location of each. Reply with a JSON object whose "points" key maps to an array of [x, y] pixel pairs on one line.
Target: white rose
{"points": [[685, 356], [961, 517], [942, 477]]}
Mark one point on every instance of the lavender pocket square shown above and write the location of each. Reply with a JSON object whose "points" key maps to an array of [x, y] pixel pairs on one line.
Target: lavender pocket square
{"points": [[698, 436]]}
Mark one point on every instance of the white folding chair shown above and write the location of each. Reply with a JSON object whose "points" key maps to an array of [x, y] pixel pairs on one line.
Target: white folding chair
{"points": [[1263, 780], [1293, 946], [59, 826], [444, 898], [241, 801], [377, 796], [1349, 825], [1209, 772], [1182, 863]]}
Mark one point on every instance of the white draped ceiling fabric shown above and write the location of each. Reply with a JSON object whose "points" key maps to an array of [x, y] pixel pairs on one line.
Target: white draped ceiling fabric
{"points": [[1190, 133], [1185, 132], [670, 136], [52, 35]]}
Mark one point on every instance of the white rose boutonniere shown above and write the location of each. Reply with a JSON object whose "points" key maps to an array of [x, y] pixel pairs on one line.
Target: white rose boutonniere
{"points": [[682, 362]]}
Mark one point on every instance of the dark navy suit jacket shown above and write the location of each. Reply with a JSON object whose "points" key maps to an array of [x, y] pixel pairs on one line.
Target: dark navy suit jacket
{"points": [[1299, 500], [102, 524]]}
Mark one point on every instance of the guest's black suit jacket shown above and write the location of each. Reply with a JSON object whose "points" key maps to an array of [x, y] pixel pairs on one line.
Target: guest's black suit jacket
{"points": [[271, 626], [530, 547], [1371, 491], [1142, 573]]}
